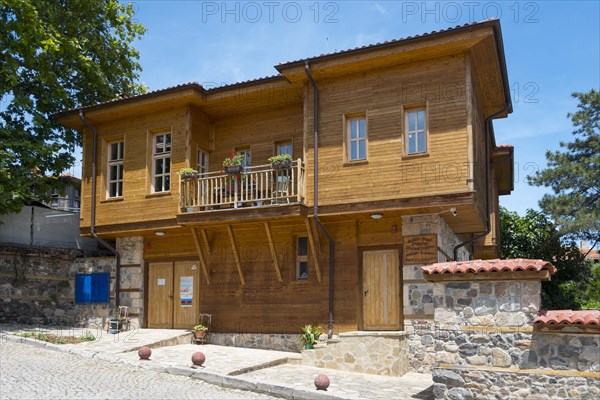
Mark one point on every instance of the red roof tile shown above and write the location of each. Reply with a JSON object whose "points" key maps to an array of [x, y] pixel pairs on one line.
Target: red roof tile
{"points": [[568, 317], [476, 266]]}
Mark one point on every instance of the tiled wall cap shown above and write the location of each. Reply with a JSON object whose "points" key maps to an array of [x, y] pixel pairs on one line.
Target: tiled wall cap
{"points": [[477, 266], [568, 317]]}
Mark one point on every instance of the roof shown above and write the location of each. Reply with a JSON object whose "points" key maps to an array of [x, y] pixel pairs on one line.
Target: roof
{"points": [[386, 43], [497, 265], [568, 317], [495, 23], [591, 254]]}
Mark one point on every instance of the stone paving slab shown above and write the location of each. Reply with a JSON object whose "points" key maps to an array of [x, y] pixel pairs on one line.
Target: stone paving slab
{"points": [[220, 360], [344, 385]]}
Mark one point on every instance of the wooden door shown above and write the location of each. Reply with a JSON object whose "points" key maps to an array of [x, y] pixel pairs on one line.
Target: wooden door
{"points": [[185, 312], [381, 290], [160, 295]]}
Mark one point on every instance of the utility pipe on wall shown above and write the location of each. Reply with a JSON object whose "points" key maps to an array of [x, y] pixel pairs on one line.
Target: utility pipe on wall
{"points": [[316, 194], [93, 216]]}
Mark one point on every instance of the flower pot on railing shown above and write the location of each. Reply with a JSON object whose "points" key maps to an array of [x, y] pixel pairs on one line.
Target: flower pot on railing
{"points": [[233, 169], [281, 161]]}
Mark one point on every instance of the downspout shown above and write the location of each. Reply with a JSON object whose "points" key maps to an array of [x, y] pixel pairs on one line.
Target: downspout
{"points": [[93, 216], [316, 195]]}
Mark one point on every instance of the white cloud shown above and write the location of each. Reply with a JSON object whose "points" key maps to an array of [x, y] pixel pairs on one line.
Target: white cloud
{"points": [[380, 8]]}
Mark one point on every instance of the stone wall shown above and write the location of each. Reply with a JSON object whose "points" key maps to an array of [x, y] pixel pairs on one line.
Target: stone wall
{"points": [[38, 288], [418, 293], [131, 250], [486, 345], [272, 341], [381, 353]]}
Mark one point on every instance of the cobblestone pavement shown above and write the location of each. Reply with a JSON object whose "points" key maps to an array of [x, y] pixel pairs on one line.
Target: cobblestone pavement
{"points": [[28, 372]]}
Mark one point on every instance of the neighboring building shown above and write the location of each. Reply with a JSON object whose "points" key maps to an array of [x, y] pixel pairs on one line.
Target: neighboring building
{"points": [[590, 254], [51, 223], [408, 169]]}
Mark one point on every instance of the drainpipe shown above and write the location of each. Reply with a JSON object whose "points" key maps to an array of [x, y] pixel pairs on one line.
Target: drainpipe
{"points": [[93, 217], [316, 195]]}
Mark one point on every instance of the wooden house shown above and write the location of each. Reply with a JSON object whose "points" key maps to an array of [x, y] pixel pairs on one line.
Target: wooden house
{"points": [[408, 172]]}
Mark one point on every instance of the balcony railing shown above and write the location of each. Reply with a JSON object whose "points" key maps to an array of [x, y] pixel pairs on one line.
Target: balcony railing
{"points": [[255, 186]]}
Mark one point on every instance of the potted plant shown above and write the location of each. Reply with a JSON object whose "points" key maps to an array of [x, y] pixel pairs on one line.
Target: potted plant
{"points": [[115, 323], [281, 161], [233, 164], [310, 335], [187, 173], [199, 332]]}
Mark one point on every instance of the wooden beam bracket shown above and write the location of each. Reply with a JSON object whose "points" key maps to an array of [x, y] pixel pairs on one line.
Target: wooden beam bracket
{"points": [[273, 253], [236, 254], [203, 262], [313, 250]]}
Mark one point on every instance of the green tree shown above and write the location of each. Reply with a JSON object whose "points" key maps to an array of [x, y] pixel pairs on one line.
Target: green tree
{"points": [[574, 174], [535, 236], [56, 55]]}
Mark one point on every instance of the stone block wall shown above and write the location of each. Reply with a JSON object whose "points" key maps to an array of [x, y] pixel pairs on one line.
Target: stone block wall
{"points": [[418, 292], [380, 353], [486, 345], [132, 277], [38, 288], [267, 341]]}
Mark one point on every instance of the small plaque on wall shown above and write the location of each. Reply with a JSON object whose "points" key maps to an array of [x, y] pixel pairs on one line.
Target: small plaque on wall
{"points": [[420, 249]]}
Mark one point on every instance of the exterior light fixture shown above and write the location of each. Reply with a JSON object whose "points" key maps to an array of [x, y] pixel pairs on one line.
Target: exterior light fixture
{"points": [[159, 233], [376, 216]]}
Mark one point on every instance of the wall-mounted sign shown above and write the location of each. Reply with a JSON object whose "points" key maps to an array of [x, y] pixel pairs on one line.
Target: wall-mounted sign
{"points": [[186, 290], [420, 249], [161, 282]]}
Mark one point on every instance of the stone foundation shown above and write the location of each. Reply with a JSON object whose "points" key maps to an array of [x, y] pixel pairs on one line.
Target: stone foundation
{"points": [[267, 341], [381, 353]]}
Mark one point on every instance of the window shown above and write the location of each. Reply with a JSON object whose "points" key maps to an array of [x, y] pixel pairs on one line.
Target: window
{"points": [[301, 257], [357, 139], [416, 139], [161, 159], [284, 148], [115, 170], [246, 154], [202, 165]]}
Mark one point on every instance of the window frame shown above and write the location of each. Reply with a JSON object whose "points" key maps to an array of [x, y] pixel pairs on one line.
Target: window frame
{"points": [[202, 163], [301, 258], [161, 156], [348, 140], [424, 131], [246, 151], [286, 143], [118, 163]]}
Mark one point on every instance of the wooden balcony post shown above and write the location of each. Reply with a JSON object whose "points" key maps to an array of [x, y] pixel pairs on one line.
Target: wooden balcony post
{"points": [[236, 255]]}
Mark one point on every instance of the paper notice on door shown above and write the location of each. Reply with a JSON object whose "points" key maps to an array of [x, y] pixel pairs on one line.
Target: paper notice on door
{"points": [[186, 290], [161, 281]]}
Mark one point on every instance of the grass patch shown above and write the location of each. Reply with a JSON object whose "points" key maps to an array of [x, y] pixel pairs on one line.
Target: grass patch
{"points": [[56, 339]]}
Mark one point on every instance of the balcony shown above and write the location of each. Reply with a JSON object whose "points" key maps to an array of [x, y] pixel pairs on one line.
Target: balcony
{"points": [[255, 187]]}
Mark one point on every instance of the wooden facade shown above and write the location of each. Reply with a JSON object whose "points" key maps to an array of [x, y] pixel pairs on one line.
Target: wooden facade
{"points": [[244, 255]]}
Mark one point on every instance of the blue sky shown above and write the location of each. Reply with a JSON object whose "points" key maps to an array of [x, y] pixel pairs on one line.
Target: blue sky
{"points": [[552, 49]]}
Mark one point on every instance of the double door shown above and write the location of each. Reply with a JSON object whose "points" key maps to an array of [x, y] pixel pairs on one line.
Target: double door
{"points": [[173, 294]]}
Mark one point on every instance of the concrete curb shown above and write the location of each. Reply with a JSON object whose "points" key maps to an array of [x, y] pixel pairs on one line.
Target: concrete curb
{"points": [[226, 381]]}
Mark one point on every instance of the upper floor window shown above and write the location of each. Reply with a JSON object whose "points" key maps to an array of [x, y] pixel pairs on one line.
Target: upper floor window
{"points": [[202, 165], [356, 132], [284, 148], [161, 163], [115, 169], [245, 152], [301, 257], [416, 138]]}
